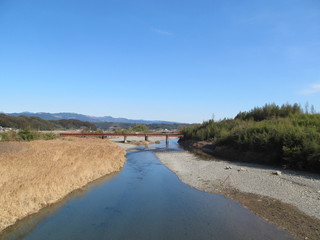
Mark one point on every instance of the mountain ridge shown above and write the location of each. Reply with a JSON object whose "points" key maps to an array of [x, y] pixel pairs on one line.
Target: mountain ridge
{"points": [[87, 118]]}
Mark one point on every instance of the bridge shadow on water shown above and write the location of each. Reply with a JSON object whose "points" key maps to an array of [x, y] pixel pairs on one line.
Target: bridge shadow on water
{"points": [[145, 201]]}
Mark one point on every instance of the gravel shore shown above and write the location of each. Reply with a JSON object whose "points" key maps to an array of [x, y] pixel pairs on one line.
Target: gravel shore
{"points": [[133, 141], [301, 190]]}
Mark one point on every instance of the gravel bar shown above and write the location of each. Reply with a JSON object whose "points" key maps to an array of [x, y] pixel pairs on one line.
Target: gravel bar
{"points": [[295, 188]]}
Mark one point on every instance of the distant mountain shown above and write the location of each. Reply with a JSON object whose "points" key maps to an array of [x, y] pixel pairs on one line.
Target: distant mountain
{"points": [[86, 118], [33, 122]]}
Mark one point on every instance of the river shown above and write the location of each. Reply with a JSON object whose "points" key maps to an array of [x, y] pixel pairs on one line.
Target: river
{"points": [[144, 201]]}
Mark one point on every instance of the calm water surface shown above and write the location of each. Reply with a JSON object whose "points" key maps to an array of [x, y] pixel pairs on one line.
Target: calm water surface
{"points": [[145, 201]]}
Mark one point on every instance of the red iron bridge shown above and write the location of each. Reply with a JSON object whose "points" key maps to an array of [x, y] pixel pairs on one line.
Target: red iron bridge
{"points": [[145, 135]]}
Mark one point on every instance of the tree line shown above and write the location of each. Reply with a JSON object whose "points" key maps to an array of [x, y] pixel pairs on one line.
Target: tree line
{"points": [[284, 135]]}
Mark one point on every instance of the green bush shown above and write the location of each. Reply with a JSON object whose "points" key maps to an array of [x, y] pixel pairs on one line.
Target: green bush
{"points": [[27, 135]]}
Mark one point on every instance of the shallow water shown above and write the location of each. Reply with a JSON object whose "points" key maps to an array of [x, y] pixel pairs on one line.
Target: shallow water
{"points": [[145, 201]]}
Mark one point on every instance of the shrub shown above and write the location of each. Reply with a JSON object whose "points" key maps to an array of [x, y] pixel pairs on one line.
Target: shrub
{"points": [[27, 134]]}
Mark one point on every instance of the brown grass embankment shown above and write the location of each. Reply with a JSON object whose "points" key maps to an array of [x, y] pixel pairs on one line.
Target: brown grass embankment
{"points": [[38, 173]]}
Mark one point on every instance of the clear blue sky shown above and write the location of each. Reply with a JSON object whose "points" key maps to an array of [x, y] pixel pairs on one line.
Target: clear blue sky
{"points": [[166, 60]]}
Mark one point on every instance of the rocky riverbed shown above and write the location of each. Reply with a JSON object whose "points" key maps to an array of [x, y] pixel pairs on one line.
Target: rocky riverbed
{"points": [[286, 198]]}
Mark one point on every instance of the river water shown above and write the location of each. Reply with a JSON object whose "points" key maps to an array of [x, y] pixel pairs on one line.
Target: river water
{"points": [[144, 201]]}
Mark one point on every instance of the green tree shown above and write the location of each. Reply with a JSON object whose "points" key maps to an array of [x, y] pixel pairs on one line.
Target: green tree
{"points": [[140, 128]]}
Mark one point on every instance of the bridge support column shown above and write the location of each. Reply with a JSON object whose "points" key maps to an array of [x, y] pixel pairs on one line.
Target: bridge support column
{"points": [[167, 139], [146, 138], [125, 139]]}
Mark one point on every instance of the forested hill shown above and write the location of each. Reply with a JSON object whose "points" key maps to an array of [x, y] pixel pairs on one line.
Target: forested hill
{"points": [[36, 123], [284, 135]]}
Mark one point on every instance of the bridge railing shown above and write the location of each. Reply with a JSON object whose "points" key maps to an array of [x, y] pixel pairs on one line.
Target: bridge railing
{"points": [[120, 134], [146, 135]]}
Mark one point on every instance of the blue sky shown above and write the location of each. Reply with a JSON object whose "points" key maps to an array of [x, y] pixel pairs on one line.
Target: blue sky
{"points": [[167, 60]]}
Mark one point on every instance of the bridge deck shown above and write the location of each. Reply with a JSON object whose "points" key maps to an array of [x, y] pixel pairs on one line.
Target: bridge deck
{"points": [[121, 135]]}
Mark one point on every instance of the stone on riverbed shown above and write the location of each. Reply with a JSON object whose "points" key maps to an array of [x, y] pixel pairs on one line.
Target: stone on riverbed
{"points": [[242, 170], [278, 173]]}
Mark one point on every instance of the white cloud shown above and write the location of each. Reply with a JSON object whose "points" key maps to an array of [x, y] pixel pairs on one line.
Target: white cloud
{"points": [[313, 89], [161, 32]]}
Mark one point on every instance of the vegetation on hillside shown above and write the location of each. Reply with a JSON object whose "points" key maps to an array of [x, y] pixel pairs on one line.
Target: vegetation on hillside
{"points": [[287, 135], [23, 122]]}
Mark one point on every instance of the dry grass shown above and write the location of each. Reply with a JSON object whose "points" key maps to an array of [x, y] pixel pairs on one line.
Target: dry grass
{"points": [[36, 174]]}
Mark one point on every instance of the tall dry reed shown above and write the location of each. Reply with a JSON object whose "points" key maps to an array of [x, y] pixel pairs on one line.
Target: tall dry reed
{"points": [[39, 173]]}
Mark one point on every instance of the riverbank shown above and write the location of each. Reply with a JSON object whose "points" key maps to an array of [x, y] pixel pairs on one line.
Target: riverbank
{"points": [[36, 174], [287, 199]]}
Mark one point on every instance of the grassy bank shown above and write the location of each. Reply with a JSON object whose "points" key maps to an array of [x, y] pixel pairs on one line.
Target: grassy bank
{"points": [[286, 136], [38, 173]]}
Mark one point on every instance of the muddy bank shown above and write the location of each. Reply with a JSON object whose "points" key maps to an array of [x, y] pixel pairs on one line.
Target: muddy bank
{"points": [[36, 174], [289, 201]]}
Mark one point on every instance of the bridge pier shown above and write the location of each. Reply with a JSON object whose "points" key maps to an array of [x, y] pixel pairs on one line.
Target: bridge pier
{"points": [[125, 139], [167, 139], [146, 138]]}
